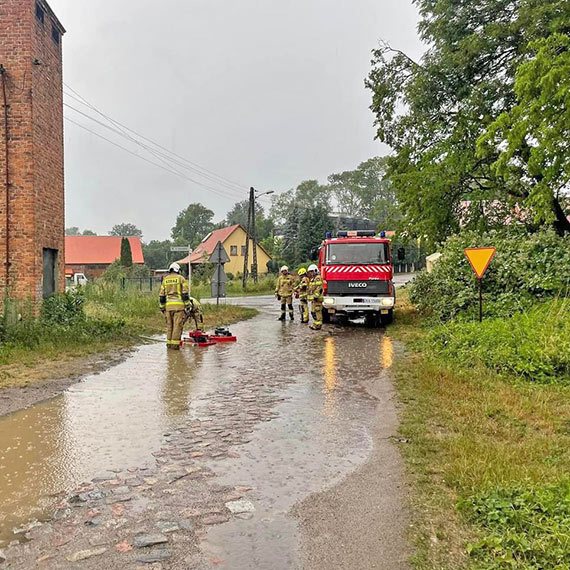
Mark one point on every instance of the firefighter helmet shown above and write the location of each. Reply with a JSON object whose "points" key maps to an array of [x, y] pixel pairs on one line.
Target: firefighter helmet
{"points": [[284, 268], [314, 268], [302, 271], [174, 267]]}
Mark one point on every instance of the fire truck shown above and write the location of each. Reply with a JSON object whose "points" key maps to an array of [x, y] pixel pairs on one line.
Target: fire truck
{"points": [[356, 268]]}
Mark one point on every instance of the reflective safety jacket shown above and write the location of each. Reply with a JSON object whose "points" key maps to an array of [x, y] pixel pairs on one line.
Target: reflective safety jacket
{"points": [[174, 293], [285, 285], [303, 287], [315, 291]]}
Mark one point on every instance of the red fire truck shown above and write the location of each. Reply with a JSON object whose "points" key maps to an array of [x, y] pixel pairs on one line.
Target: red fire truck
{"points": [[356, 268]]}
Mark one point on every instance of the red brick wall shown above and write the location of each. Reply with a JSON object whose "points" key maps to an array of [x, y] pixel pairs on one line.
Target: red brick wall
{"points": [[35, 130]]}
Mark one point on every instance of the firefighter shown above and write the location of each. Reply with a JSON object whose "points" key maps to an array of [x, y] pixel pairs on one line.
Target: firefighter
{"points": [[301, 293], [284, 292], [194, 311], [315, 294], [174, 299]]}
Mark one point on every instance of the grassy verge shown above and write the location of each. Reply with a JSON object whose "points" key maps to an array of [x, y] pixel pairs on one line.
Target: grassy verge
{"points": [[487, 448], [264, 286], [105, 319]]}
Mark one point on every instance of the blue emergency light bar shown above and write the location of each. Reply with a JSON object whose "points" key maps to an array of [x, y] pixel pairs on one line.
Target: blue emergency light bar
{"points": [[359, 233]]}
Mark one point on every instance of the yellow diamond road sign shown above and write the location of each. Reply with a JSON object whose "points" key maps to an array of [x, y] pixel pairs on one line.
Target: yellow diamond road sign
{"points": [[479, 258]]}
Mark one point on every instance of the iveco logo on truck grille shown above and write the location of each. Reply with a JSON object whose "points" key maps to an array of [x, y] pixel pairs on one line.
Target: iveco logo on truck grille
{"points": [[358, 285]]}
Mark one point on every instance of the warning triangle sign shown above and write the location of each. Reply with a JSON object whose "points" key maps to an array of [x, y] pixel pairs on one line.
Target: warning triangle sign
{"points": [[479, 258]]}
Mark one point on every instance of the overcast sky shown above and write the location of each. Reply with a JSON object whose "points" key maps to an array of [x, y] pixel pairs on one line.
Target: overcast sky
{"points": [[261, 92]]}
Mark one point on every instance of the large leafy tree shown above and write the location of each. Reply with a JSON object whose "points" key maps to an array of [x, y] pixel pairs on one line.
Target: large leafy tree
{"points": [[239, 214], [125, 230], [533, 138], [157, 254], [432, 112], [365, 192], [193, 224]]}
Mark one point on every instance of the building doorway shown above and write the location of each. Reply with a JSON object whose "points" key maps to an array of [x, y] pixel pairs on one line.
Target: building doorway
{"points": [[50, 272]]}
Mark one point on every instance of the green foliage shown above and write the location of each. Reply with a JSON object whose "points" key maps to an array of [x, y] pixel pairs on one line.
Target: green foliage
{"points": [[239, 214], [157, 254], [526, 527], [532, 138], [432, 112], [534, 345], [65, 309], [125, 230], [117, 271], [365, 192], [192, 225], [526, 268], [126, 253], [73, 231]]}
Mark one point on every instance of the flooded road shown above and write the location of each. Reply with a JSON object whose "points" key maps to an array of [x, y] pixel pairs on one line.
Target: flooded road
{"points": [[220, 444]]}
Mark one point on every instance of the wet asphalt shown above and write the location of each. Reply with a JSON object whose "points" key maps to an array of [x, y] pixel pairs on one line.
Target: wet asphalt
{"points": [[296, 426]]}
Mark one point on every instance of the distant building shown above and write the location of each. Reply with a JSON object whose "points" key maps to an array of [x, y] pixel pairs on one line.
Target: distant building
{"points": [[233, 239], [92, 255], [31, 151]]}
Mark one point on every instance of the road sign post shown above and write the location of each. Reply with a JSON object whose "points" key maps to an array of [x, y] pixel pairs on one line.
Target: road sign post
{"points": [[188, 250], [480, 258], [219, 277]]}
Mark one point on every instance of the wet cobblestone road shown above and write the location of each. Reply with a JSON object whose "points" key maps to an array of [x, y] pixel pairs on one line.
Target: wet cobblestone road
{"points": [[195, 459]]}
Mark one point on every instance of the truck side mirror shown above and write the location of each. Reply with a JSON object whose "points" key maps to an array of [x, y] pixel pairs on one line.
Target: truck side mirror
{"points": [[315, 254], [401, 254]]}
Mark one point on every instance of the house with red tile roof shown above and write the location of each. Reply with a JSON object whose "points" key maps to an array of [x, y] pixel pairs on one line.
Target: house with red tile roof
{"points": [[92, 255], [233, 239]]}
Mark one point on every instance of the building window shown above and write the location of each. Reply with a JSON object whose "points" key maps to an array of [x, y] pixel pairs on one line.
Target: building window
{"points": [[40, 13], [233, 249], [243, 250], [50, 272], [55, 35]]}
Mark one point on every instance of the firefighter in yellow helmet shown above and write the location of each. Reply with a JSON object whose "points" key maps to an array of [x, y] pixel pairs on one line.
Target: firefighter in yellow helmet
{"points": [[284, 292], [301, 291], [174, 299], [315, 294]]}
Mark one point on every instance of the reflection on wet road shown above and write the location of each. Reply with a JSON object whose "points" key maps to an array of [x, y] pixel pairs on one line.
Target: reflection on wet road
{"points": [[117, 419]]}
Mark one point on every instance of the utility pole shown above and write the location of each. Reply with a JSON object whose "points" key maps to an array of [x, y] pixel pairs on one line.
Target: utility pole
{"points": [[250, 217], [254, 245]]}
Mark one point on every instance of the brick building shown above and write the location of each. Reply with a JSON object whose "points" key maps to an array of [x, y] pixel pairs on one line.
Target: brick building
{"points": [[31, 151]]}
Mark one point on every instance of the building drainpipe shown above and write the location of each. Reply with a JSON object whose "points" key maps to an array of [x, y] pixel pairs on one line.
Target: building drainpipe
{"points": [[7, 180]]}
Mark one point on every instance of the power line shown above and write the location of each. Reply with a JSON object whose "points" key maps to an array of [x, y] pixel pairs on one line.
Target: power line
{"points": [[78, 97], [157, 154], [172, 171]]}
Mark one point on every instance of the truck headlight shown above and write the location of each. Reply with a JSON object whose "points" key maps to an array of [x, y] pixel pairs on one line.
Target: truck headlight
{"points": [[329, 301], [388, 302]]}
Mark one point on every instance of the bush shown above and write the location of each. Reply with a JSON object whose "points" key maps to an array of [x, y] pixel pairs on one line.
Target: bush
{"points": [[534, 345], [64, 309], [527, 527], [526, 268]]}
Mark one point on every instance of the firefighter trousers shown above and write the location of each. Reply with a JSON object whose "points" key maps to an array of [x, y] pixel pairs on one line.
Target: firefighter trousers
{"points": [[174, 324], [287, 302], [304, 310], [317, 312]]}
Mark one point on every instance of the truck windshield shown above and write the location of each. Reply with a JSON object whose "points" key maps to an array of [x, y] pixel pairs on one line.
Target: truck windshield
{"points": [[357, 253]]}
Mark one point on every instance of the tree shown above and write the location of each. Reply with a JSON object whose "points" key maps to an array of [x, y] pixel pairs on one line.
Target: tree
{"points": [[432, 112], [532, 139], [88, 233], [239, 213], [125, 230], [73, 231], [157, 254], [126, 253], [193, 224], [365, 192]]}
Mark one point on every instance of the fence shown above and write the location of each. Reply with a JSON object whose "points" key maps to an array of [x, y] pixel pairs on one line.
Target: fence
{"points": [[143, 284]]}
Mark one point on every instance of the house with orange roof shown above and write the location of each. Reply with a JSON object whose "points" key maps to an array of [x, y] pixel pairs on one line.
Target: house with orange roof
{"points": [[233, 239], [92, 255]]}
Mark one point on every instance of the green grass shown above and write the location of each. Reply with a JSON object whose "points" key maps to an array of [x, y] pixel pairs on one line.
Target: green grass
{"points": [[487, 448], [264, 286]]}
